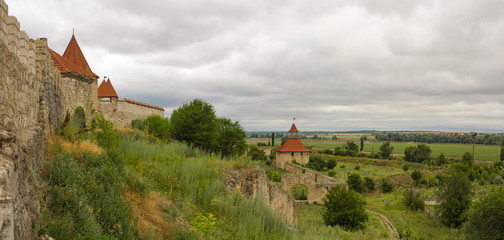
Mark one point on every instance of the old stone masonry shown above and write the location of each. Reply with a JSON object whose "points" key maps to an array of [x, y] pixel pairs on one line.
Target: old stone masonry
{"points": [[38, 87]]}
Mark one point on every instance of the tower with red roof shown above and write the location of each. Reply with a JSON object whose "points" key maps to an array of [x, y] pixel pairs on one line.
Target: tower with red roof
{"points": [[292, 150], [79, 85]]}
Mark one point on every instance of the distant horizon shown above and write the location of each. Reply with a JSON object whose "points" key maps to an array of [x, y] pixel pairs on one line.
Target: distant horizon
{"points": [[375, 130]]}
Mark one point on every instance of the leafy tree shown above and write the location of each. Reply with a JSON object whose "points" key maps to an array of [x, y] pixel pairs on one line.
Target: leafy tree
{"points": [[486, 217], [351, 146], [409, 154], [386, 150], [331, 163], [422, 153], [386, 186], [413, 201], [255, 153], [231, 137], [355, 183], [369, 183], [467, 159], [441, 160], [316, 163], [416, 175], [418, 154], [196, 124], [334, 137], [455, 198], [344, 208], [155, 125], [361, 144]]}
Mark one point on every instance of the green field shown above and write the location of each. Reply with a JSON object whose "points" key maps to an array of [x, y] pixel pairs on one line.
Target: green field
{"points": [[483, 152]]}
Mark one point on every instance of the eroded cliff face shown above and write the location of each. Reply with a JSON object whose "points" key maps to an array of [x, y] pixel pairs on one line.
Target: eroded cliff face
{"points": [[252, 182]]}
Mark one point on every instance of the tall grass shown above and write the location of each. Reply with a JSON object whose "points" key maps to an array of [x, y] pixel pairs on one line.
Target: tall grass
{"points": [[193, 180]]}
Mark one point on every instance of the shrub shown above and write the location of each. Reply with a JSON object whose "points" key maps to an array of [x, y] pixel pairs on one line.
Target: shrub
{"points": [[441, 160], [485, 218], [327, 151], [342, 166], [331, 164], [355, 183], [204, 224], [255, 153], [316, 163], [344, 208], [357, 167], [274, 176], [433, 181], [369, 183], [416, 175], [386, 150], [467, 159], [331, 173], [418, 153], [386, 186], [155, 125], [413, 201], [406, 167], [455, 198]]}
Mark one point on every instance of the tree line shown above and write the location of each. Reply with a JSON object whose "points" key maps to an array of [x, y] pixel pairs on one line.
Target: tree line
{"points": [[464, 138]]}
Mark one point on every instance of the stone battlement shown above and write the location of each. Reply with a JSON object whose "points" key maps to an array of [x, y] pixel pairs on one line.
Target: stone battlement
{"points": [[17, 41]]}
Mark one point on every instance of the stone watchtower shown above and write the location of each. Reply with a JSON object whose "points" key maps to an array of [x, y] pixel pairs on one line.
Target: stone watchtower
{"points": [[107, 96], [292, 150]]}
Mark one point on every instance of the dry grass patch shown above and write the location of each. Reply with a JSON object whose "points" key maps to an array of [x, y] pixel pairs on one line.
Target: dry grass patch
{"points": [[77, 146], [149, 212]]}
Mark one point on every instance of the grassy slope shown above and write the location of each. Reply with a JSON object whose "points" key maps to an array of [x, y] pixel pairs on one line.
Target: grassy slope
{"points": [[483, 152]]}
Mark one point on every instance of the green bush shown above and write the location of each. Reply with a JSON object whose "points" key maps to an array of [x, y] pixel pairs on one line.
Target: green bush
{"points": [[467, 159], [355, 183], [344, 208], [413, 201], [255, 153], [155, 125], [406, 167], [369, 184], [455, 198], [486, 217], [331, 173], [357, 167], [416, 176], [316, 163], [386, 186], [331, 164]]}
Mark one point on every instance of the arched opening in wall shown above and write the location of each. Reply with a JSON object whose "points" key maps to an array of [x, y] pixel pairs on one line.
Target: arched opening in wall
{"points": [[80, 117], [299, 192]]}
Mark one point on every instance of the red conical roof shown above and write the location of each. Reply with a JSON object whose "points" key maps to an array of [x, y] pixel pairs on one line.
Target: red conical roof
{"points": [[65, 65], [74, 54], [106, 89], [293, 128], [293, 145]]}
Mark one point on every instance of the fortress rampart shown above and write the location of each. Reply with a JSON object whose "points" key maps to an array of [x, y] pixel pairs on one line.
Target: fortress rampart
{"points": [[34, 96]]}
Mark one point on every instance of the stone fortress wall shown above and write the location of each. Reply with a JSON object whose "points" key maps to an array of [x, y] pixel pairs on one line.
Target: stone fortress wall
{"points": [[123, 111], [34, 96]]}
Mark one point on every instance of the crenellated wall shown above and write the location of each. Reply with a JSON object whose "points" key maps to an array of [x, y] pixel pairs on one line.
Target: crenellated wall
{"points": [[29, 105]]}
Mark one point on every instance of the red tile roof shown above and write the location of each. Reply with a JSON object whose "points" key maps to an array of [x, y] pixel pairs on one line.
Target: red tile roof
{"points": [[106, 89], [293, 128], [74, 54], [65, 65], [143, 104], [293, 145]]}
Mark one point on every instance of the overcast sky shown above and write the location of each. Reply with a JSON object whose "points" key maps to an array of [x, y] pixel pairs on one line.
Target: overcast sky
{"points": [[334, 65]]}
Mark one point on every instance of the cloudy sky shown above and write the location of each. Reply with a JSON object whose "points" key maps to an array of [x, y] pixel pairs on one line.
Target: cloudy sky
{"points": [[334, 65]]}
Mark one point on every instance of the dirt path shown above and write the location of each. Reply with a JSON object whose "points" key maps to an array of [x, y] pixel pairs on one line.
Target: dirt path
{"points": [[392, 231]]}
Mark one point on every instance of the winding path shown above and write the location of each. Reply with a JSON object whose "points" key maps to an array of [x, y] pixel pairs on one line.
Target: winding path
{"points": [[392, 231]]}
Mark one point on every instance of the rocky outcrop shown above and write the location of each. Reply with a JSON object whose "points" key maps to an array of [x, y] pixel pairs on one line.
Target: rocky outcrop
{"points": [[252, 182]]}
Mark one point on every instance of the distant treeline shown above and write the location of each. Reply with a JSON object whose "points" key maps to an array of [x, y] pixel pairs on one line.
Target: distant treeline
{"points": [[464, 138]]}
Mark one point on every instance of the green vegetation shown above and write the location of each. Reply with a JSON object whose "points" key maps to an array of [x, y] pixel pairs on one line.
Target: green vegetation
{"points": [[155, 125], [344, 208], [413, 201], [419, 154], [486, 217], [299, 192], [455, 197], [386, 150], [386, 186], [355, 183]]}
